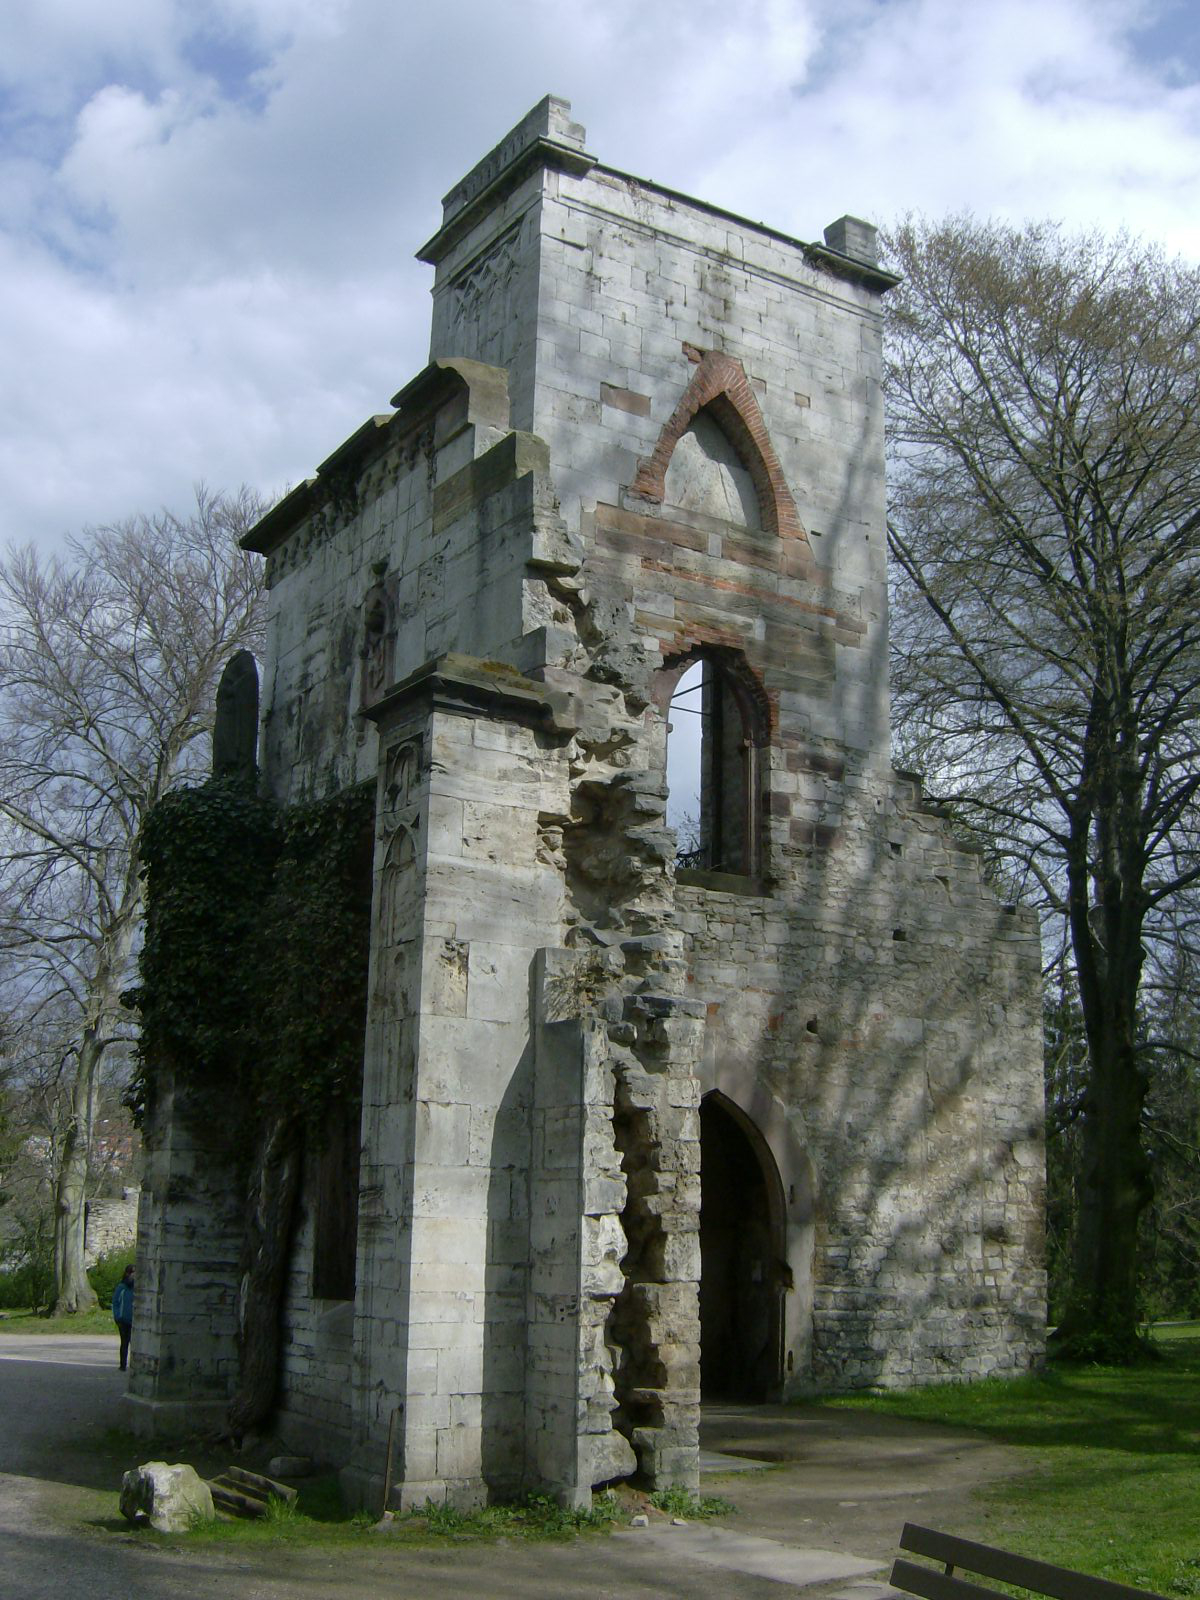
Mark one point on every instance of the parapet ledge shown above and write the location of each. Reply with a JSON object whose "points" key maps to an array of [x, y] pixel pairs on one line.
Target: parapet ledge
{"points": [[484, 391], [851, 268], [467, 684], [546, 137]]}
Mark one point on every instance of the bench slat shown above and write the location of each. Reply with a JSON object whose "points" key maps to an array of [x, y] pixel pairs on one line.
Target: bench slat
{"points": [[931, 1584], [1059, 1583]]}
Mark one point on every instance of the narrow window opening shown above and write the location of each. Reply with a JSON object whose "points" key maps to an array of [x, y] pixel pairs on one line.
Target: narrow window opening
{"points": [[711, 771], [685, 739], [335, 1203], [336, 1151]]}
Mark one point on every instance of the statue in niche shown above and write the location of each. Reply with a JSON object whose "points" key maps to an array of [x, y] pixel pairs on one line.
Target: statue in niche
{"points": [[379, 635], [235, 728]]}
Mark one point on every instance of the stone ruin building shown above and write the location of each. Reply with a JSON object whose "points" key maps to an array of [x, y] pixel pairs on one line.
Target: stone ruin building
{"points": [[754, 1116]]}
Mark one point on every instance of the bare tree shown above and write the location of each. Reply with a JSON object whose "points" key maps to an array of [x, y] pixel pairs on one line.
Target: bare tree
{"points": [[1045, 439], [109, 660]]}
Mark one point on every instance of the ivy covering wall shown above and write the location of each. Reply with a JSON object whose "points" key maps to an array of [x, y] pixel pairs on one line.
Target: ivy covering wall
{"points": [[254, 967], [253, 997]]}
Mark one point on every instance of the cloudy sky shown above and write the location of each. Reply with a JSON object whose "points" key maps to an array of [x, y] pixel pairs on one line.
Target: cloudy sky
{"points": [[208, 208]]}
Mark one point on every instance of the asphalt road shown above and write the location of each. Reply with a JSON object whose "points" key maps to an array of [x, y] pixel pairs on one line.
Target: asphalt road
{"points": [[822, 1522]]}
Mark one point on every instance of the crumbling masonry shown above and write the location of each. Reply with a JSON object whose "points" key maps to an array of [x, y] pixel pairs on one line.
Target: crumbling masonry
{"points": [[763, 1117]]}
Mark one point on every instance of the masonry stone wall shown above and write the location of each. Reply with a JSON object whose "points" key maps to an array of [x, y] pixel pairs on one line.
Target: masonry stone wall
{"points": [[650, 434], [183, 1359], [111, 1226]]}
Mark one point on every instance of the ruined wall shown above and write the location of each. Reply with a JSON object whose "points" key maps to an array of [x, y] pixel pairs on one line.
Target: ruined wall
{"points": [[413, 540], [636, 285], [888, 1082], [861, 987], [650, 431]]}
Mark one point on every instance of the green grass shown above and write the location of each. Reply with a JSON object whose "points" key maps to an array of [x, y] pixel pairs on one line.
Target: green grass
{"points": [[1113, 1485], [26, 1321], [318, 1517]]}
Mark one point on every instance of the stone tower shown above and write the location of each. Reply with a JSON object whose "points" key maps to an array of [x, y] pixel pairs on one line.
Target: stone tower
{"points": [[756, 1112]]}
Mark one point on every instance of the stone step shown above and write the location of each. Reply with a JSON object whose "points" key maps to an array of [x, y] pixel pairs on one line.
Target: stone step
{"points": [[258, 1483], [247, 1494], [233, 1502]]}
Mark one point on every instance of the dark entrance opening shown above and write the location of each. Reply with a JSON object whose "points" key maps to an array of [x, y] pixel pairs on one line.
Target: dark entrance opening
{"points": [[741, 1257]]}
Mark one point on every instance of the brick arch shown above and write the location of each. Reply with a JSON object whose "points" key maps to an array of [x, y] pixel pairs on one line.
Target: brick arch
{"points": [[720, 386], [758, 715]]}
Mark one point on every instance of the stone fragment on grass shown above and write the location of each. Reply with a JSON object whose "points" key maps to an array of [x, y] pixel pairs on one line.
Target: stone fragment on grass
{"points": [[168, 1497]]}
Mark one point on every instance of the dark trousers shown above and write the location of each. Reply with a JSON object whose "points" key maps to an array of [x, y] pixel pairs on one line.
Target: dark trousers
{"points": [[124, 1329]]}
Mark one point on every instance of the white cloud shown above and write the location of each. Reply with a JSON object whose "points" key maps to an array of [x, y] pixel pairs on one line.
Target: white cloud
{"points": [[208, 208]]}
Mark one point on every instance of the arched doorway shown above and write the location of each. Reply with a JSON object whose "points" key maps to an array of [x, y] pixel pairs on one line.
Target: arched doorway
{"points": [[743, 1272]]}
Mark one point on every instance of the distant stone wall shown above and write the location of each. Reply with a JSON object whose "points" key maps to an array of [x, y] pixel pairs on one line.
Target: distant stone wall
{"points": [[111, 1226]]}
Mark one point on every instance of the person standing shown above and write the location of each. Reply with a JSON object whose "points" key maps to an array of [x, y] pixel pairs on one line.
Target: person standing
{"points": [[122, 1310]]}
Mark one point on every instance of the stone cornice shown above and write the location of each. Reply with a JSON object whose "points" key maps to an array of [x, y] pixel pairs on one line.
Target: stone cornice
{"points": [[468, 685]]}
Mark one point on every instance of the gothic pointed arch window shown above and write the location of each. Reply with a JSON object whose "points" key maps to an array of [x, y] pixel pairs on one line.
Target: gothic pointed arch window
{"points": [[716, 736]]}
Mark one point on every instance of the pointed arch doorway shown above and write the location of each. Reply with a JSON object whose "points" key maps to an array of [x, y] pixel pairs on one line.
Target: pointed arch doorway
{"points": [[743, 1271]]}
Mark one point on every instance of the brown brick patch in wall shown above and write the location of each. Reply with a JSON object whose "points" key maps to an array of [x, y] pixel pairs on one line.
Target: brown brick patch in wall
{"points": [[611, 522], [750, 553], [811, 761], [796, 562], [637, 405], [781, 608], [693, 632], [635, 544], [814, 833]]}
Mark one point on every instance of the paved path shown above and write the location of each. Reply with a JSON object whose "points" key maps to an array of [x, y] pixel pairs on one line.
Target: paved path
{"points": [[822, 1522]]}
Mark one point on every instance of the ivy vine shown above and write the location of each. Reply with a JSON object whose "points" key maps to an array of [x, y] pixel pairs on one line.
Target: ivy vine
{"points": [[254, 964]]}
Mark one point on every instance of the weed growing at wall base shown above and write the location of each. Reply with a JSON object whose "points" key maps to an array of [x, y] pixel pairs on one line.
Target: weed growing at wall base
{"points": [[319, 1517]]}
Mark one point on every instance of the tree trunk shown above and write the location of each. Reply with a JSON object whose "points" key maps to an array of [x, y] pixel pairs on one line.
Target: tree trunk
{"points": [[271, 1204], [72, 1291], [1101, 1321], [1102, 1313]]}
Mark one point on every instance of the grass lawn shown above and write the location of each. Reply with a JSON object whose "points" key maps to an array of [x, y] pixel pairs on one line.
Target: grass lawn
{"points": [[1114, 1482], [98, 1321]]}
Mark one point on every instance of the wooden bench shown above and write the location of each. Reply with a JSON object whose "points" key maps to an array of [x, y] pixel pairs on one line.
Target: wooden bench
{"points": [[982, 1560]]}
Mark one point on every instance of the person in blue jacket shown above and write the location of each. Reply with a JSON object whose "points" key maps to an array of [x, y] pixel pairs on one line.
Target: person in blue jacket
{"points": [[122, 1310]]}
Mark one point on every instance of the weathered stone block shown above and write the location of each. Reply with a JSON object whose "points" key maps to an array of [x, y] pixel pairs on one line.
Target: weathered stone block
{"points": [[168, 1498]]}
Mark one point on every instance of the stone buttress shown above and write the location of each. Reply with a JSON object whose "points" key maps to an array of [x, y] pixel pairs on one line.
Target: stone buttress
{"points": [[648, 444]]}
